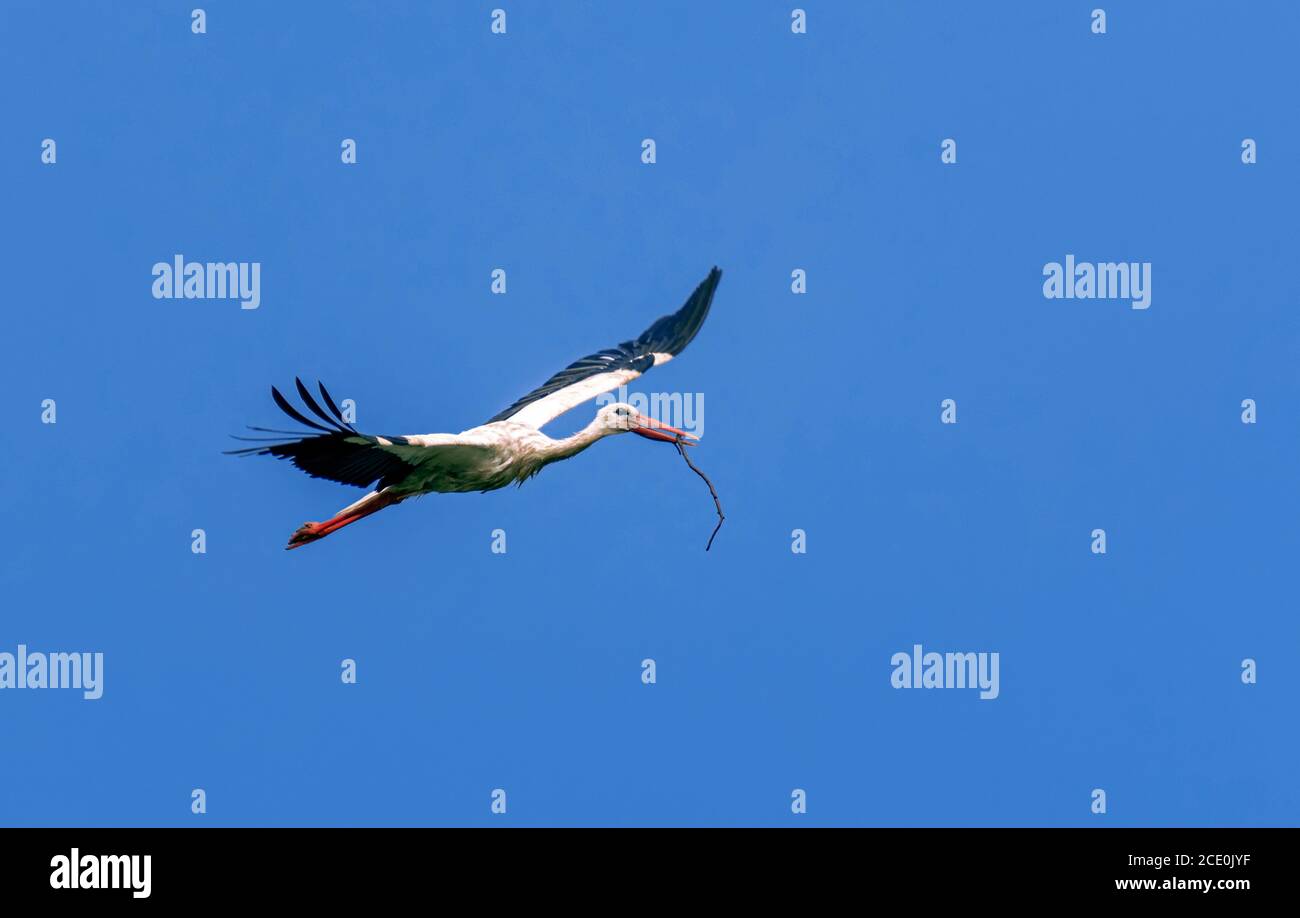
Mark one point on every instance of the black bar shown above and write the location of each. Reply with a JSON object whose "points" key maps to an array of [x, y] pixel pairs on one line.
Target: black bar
{"points": [[332, 866]]}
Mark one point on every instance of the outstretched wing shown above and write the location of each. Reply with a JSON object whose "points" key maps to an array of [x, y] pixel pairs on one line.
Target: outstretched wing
{"points": [[608, 369], [339, 452]]}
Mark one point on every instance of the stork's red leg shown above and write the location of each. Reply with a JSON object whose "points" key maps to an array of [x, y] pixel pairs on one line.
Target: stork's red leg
{"points": [[310, 532]]}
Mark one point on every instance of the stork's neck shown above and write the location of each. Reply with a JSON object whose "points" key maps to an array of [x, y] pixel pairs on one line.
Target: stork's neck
{"points": [[571, 446]]}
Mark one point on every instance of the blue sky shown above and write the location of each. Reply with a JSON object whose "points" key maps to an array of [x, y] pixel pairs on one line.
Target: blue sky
{"points": [[775, 151]]}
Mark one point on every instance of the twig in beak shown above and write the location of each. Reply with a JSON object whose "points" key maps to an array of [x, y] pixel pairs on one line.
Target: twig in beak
{"points": [[717, 503]]}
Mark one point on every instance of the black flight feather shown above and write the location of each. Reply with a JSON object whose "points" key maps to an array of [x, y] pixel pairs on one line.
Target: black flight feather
{"points": [[668, 335]]}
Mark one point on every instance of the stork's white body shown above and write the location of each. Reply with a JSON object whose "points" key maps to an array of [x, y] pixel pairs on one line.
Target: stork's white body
{"points": [[490, 456], [482, 458]]}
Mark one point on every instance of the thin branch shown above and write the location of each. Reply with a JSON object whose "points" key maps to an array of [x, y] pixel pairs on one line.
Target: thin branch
{"points": [[717, 503]]}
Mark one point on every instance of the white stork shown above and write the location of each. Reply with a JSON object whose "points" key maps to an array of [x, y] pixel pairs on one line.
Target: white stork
{"points": [[510, 447]]}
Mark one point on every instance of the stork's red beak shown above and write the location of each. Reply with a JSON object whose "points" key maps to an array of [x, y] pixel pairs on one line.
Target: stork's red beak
{"points": [[656, 430]]}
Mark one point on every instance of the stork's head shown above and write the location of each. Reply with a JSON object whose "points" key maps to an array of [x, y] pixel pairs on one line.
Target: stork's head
{"points": [[620, 417]]}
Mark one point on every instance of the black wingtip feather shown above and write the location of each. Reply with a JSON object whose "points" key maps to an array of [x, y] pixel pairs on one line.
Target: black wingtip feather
{"points": [[338, 452], [667, 335], [329, 403], [316, 409], [294, 413]]}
